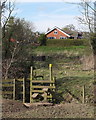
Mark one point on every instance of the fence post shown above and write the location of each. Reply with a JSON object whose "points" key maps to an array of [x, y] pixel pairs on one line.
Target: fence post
{"points": [[83, 94], [14, 89], [54, 78], [50, 69], [23, 90], [31, 77]]}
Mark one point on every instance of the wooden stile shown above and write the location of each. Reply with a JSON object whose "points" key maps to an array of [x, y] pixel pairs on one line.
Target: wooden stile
{"points": [[40, 88]]}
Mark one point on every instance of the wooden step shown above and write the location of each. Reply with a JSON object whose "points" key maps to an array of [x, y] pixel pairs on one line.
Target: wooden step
{"points": [[42, 81], [33, 86], [45, 89], [28, 105], [37, 91], [35, 95]]}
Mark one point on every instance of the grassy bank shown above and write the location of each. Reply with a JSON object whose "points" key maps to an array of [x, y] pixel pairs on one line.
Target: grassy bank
{"points": [[50, 49]]}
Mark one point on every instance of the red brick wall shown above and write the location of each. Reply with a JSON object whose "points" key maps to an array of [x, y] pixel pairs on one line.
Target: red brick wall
{"points": [[51, 34]]}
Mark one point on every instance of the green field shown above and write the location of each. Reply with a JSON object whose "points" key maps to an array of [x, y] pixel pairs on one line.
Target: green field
{"points": [[68, 70]]}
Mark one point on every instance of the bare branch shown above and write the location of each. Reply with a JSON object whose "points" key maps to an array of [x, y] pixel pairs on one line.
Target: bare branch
{"points": [[10, 9]]}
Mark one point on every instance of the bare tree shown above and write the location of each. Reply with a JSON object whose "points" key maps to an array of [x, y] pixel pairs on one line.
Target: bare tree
{"points": [[88, 13], [7, 9]]}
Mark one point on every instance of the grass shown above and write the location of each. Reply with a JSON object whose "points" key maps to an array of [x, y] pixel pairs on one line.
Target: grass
{"points": [[70, 79], [50, 49], [68, 70]]}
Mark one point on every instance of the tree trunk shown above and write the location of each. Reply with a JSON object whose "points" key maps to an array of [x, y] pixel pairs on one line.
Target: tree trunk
{"points": [[94, 85]]}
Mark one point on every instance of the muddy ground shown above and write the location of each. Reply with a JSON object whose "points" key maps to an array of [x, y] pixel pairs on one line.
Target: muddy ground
{"points": [[15, 109]]}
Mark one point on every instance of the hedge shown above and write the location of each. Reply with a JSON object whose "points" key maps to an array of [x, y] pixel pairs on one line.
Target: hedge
{"points": [[67, 42]]}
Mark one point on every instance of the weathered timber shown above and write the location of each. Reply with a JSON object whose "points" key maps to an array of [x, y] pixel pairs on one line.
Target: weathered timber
{"points": [[23, 90], [7, 85], [43, 86], [45, 89], [35, 95], [14, 89], [7, 92], [83, 100], [28, 105], [31, 77], [42, 81]]}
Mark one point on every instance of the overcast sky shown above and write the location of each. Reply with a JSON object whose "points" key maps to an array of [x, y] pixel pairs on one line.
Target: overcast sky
{"points": [[48, 14]]}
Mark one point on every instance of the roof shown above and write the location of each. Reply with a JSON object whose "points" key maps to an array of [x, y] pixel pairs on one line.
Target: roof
{"points": [[57, 29]]}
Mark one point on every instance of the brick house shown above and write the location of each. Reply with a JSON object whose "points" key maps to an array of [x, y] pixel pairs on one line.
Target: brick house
{"points": [[56, 33]]}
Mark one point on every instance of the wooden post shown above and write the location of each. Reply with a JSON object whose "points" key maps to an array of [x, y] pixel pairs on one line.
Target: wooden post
{"points": [[50, 69], [54, 78], [45, 96], [83, 101], [23, 90], [31, 77], [14, 89]]}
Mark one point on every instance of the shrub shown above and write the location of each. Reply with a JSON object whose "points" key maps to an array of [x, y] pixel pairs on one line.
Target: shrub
{"points": [[66, 42], [42, 39]]}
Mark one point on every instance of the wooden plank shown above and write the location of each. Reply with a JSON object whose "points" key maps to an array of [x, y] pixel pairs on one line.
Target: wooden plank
{"points": [[42, 81], [45, 89], [37, 91], [7, 80], [43, 86], [7, 92], [21, 80], [7, 85], [35, 95], [28, 105]]}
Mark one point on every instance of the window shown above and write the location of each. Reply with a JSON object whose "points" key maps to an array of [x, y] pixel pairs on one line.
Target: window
{"points": [[55, 32], [61, 37], [51, 38]]}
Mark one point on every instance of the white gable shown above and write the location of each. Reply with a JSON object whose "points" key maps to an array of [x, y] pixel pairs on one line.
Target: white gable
{"points": [[57, 29]]}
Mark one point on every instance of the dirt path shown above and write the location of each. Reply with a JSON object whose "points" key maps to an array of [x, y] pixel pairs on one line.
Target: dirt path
{"points": [[15, 109]]}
